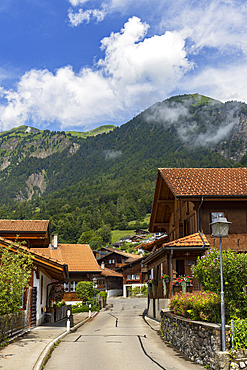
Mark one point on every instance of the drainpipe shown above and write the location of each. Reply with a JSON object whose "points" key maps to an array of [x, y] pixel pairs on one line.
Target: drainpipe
{"points": [[171, 272], [198, 221]]}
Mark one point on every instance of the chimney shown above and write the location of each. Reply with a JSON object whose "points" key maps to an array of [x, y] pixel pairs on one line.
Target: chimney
{"points": [[102, 265], [54, 242]]}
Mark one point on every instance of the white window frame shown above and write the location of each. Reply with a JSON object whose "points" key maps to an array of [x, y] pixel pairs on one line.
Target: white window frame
{"points": [[73, 285]]}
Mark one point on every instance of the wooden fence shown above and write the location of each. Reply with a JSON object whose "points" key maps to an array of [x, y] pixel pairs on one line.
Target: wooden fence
{"points": [[11, 324]]}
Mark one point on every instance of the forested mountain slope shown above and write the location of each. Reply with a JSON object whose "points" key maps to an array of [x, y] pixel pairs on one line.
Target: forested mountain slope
{"points": [[82, 183]]}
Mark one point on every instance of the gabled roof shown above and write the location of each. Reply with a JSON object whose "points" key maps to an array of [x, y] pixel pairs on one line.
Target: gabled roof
{"points": [[110, 273], [197, 241], [55, 268], [78, 257], [156, 242], [124, 254], [205, 181], [193, 240], [17, 226]]}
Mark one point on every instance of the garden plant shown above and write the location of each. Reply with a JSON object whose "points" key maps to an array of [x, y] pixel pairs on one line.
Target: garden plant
{"points": [[15, 272]]}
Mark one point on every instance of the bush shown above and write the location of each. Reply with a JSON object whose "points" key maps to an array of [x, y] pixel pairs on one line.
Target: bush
{"points": [[207, 272], [197, 306], [80, 307], [103, 294], [85, 290], [15, 271], [240, 334]]}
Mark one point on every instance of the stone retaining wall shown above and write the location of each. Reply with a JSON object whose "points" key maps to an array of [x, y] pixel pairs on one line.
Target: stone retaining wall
{"points": [[200, 341]]}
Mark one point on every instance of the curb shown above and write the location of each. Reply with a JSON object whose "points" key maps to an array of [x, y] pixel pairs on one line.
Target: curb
{"points": [[42, 357]]}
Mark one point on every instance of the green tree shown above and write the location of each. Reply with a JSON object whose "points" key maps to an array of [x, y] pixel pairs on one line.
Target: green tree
{"points": [[15, 271], [88, 236], [207, 272], [105, 233], [85, 290]]}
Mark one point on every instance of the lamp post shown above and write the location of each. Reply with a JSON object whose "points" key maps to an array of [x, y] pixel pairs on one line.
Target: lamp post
{"points": [[220, 228], [94, 286]]}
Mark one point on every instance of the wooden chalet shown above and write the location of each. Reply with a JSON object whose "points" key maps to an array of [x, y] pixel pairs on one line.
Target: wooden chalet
{"points": [[47, 272], [186, 201], [35, 233], [110, 281], [134, 275], [115, 258]]}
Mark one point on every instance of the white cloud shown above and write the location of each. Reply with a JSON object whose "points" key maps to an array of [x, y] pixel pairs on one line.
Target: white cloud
{"points": [[78, 2], [214, 23], [222, 84], [135, 72], [91, 14]]}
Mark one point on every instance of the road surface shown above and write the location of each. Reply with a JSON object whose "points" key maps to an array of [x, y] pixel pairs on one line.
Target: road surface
{"points": [[118, 338]]}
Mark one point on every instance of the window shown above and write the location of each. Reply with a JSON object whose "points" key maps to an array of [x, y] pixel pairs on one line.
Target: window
{"points": [[66, 287], [109, 261], [73, 286], [137, 277], [215, 215], [191, 263], [128, 277], [113, 261], [133, 277]]}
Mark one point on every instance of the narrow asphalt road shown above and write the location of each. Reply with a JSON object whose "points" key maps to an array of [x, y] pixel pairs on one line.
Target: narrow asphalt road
{"points": [[118, 338]]}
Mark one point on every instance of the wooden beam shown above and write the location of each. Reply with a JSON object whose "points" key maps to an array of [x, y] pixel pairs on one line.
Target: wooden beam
{"points": [[160, 224]]}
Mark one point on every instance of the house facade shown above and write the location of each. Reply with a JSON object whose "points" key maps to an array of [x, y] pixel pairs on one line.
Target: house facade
{"points": [[79, 258], [116, 258], [186, 201], [110, 281], [134, 275]]}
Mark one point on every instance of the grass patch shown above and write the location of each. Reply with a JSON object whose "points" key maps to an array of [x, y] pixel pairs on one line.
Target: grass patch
{"points": [[118, 234], [96, 131]]}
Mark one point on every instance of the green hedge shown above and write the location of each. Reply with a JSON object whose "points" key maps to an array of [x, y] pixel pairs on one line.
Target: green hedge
{"points": [[84, 308], [197, 306]]}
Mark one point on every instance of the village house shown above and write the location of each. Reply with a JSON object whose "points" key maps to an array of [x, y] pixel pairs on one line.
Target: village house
{"points": [[114, 258], [186, 201], [134, 275], [110, 281], [79, 258]]}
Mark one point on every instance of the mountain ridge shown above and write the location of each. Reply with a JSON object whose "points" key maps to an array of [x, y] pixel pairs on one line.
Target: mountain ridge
{"points": [[83, 183]]}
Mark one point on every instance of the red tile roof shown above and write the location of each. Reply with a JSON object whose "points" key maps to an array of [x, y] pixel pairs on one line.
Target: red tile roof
{"points": [[24, 225], [107, 272], [78, 257], [206, 181], [194, 240], [124, 254], [47, 261]]}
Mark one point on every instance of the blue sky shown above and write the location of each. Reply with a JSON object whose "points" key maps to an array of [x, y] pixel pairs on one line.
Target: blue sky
{"points": [[79, 64]]}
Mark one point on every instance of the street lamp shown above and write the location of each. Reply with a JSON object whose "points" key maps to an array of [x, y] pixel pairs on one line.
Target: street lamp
{"points": [[94, 286], [220, 228]]}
